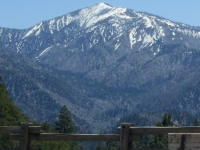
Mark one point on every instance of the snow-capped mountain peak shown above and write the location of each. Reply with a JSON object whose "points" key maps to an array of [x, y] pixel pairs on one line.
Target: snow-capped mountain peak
{"points": [[116, 27], [92, 15], [101, 6]]}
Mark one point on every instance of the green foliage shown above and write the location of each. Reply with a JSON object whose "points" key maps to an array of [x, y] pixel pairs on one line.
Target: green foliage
{"points": [[10, 115], [160, 141], [111, 146], [100, 146], [107, 146], [4, 141], [65, 123], [166, 121], [51, 145]]}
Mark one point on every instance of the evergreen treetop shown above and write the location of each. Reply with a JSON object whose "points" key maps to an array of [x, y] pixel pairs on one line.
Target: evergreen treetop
{"points": [[65, 123]]}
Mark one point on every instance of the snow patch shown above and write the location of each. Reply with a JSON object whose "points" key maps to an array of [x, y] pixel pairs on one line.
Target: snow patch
{"points": [[116, 25], [117, 46], [148, 22], [160, 32], [148, 39], [10, 36], [35, 28], [82, 48], [132, 38], [158, 50], [189, 32], [169, 23], [44, 51], [118, 36], [102, 31], [140, 38], [190, 52]]}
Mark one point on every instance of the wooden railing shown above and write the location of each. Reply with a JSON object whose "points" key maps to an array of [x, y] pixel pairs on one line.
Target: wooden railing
{"points": [[127, 134]]}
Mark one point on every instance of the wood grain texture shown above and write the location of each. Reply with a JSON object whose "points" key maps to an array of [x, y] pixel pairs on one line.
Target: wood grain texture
{"points": [[162, 130], [7, 129], [189, 137], [75, 137], [187, 146], [23, 137], [16, 129], [124, 136]]}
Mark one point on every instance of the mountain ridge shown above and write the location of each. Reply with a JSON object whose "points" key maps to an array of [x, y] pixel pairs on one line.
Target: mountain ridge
{"points": [[108, 59]]}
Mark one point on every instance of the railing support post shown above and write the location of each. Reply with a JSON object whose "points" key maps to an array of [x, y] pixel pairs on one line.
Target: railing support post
{"points": [[124, 136], [29, 141], [23, 138]]}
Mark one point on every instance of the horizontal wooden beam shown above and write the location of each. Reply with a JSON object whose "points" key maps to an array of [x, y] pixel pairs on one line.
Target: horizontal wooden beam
{"points": [[69, 137], [16, 129], [189, 137], [78, 137], [9, 148], [7, 129], [34, 129], [162, 130], [18, 149], [75, 137], [187, 146], [134, 138]]}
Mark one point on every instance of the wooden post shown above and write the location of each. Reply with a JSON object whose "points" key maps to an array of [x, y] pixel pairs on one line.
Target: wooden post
{"points": [[124, 136], [130, 142], [182, 144], [23, 138], [29, 141]]}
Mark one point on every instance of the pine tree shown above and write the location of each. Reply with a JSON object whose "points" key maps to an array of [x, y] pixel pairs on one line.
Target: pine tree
{"points": [[160, 141], [65, 123], [166, 121]]}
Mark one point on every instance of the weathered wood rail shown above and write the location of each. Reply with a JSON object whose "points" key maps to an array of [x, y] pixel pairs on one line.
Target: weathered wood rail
{"points": [[186, 141], [127, 134]]}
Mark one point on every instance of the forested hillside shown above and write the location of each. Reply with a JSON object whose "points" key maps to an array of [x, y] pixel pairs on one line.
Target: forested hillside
{"points": [[11, 115]]}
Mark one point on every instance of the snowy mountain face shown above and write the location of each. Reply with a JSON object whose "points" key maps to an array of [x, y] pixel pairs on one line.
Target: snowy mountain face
{"points": [[104, 43], [120, 48], [101, 24], [100, 36]]}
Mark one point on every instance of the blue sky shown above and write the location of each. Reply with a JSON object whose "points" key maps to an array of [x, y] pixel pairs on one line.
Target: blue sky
{"points": [[23, 14]]}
